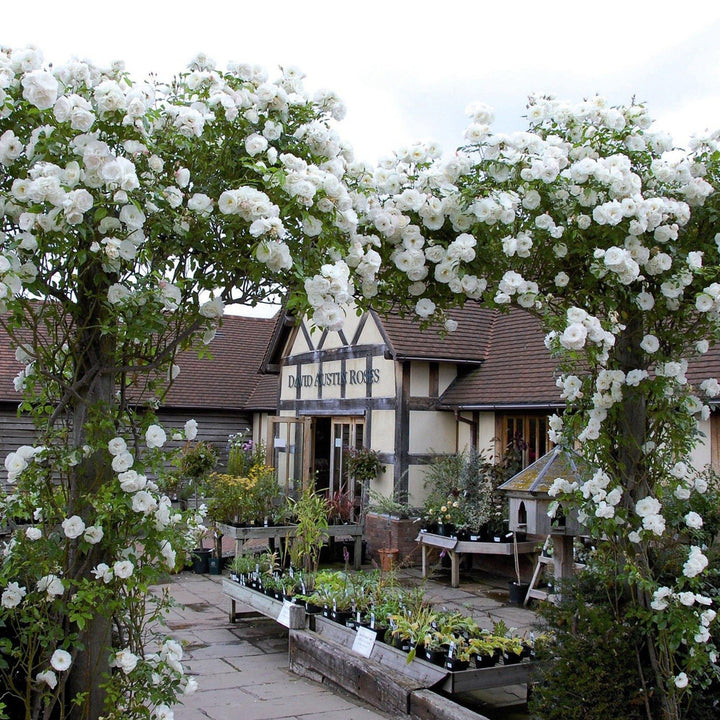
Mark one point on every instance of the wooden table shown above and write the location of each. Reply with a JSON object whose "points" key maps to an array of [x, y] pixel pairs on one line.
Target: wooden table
{"points": [[278, 532], [455, 548]]}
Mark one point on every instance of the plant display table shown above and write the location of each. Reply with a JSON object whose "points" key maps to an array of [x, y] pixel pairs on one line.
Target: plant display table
{"points": [[280, 532], [322, 646], [455, 548]]}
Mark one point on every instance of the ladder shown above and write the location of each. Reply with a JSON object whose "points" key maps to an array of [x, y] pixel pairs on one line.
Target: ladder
{"points": [[542, 561]]}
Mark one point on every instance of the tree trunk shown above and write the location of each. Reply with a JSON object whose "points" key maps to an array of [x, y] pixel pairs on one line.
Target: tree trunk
{"points": [[96, 356]]}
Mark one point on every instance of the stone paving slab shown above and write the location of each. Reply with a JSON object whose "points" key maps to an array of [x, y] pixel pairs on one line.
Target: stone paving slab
{"points": [[242, 667]]}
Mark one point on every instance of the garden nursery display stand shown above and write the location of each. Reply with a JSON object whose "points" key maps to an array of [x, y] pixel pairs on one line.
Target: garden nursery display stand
{"points": [[277, 533], [324, 650], [456, 548]]}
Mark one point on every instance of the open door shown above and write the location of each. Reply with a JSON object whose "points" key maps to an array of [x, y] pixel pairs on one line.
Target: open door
{"points": [[289, 452], [347, 432]]}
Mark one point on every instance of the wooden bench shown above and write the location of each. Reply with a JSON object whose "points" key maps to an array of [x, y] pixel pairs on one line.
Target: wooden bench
{"points": [[455, 548]]}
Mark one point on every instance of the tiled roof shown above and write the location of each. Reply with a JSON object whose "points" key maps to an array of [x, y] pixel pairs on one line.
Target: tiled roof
{"points": [[229, 377], [226, 380], [467, 344], [517, 371]]}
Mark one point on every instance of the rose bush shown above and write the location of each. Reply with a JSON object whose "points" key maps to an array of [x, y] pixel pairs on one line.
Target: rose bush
{"points": [[132, 213], [596, 224]]}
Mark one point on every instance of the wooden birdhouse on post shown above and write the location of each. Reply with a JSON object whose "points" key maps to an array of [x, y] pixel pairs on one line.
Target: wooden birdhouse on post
{"points": [[535, 512]]}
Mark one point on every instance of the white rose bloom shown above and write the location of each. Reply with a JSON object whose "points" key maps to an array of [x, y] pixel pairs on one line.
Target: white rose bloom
{"points": [[125, 660], [711, 387], [12, 595], [117, 446], [660, 596], [123, 569], [163, 712], [51, 584], [650, 344], [191, 429], [647, 506], [686, 598], [155, 437], [574, 336], [61, 660], [33, 533], [40, 88], [143, 502], [93, 534], [425, 307], [15, 463], [695, 563], [681, 680], [654, 523], [48, 677], [212, 308], [103, 572], [131, 481], [73, 526], [693, 520], [122, 462]]}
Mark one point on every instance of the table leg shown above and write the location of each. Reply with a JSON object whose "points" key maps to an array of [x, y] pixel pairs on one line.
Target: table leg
{"points": [[232, 610], [424, 559], [454, 569], [357, 552]]}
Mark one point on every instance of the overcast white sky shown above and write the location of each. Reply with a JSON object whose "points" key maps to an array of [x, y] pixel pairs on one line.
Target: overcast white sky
{"points": [[407, 70]]}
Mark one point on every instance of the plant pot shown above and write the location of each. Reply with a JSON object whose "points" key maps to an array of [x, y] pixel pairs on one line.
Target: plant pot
{"points": [[215, 565], [200, 559], [455, 665], [435, 656], [388, 558], [340, 616], [510, 658], [486, 661], [518, 592]]}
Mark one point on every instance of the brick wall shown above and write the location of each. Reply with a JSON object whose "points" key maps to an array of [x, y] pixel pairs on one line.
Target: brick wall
{"points": [[385, 531]]}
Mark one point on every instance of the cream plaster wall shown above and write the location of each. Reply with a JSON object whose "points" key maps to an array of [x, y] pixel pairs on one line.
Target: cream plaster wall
{"points": [[464, 433], [299, 344], [432, 432], [383, 430], [416, 485], [420, 379], [486, 435], [701, 455], [447, 373], [383, 484], [370, 334], [386, 386]]}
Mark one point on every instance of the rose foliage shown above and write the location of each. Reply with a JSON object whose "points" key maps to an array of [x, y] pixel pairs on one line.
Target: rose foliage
{"points": [[132, 212], [598, 226]]}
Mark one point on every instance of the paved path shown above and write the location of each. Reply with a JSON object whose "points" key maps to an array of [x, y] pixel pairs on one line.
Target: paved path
{"points": [[242, 668]]}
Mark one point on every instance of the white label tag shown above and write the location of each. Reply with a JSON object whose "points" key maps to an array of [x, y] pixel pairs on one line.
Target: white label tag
{"points": [[364, 642]]}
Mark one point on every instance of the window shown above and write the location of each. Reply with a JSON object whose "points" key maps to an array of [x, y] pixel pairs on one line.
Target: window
{"points": [[524, 434]]}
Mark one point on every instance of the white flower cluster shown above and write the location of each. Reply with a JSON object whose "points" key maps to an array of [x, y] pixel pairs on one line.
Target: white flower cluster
{"points": [[328, 292], [596, 490], [124, 183]]}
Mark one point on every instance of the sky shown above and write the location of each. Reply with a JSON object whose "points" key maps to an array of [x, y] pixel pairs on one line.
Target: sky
{"points": [[407, 70]]}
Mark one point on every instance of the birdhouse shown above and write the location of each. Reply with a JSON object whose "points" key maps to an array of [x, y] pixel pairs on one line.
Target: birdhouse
{"points": [[530, 504]]}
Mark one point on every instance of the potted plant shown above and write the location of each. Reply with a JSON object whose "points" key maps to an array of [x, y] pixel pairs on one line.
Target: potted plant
{"points": [[363, 465], [308, 538]]}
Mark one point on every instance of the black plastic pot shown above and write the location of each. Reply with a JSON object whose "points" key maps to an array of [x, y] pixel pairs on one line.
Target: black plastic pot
{"points": [[518, 592], [215, 565], [201, 560]]}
